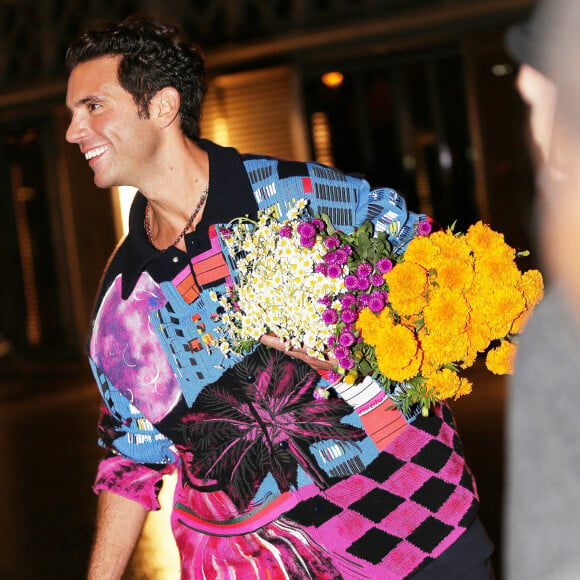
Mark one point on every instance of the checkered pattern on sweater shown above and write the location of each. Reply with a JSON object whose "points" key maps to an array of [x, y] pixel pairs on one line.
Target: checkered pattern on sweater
{"points": [[404, 510]]}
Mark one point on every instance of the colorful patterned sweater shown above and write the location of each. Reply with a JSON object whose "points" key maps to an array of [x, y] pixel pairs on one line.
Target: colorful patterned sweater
{"points": [[272, 483]]}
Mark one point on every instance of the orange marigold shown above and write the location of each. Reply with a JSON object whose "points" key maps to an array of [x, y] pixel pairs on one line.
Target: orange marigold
{"points": [[470, 357], [444, 383], [531, 284], [456, 275], [451, 246], [503, 306], [441, 348], [497, 267], [397, 353], [368, 324], [465, 387], [446, 313], [478, 334], [429, 366], [478, 329], [501, 360], [484, 241], [520, 322], [421, 250], [407, 284]]}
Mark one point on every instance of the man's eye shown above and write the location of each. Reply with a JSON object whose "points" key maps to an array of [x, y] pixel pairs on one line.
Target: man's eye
{"points": [[93, 106]]}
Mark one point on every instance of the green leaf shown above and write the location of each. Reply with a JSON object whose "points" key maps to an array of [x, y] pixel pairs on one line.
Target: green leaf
{"points": [[330, 229]]}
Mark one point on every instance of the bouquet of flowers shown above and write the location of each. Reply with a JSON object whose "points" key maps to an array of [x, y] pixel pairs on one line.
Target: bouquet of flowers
{"points": [[412, 321]]}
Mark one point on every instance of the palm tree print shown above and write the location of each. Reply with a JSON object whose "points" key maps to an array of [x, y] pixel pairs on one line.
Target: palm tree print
{"points": [[261, 417]]}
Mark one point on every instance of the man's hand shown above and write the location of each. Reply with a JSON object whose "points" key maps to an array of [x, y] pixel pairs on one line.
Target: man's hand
{"points": [[300, 353]]}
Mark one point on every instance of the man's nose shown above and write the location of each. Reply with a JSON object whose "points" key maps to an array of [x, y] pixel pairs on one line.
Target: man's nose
{"points": [[75, 130]]}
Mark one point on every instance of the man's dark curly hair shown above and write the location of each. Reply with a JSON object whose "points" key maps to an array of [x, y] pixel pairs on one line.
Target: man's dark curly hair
{"points": [[154, 55]]}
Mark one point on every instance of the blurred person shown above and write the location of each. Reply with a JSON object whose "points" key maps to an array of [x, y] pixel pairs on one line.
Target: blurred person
{"points": [[272, 483], [542, 517]]}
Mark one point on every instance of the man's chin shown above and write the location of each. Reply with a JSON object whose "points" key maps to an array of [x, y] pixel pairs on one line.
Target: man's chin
{"points": [[102, 182]]}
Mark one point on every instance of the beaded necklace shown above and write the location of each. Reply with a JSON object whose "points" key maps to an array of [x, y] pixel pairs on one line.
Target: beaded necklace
{"points": [[185, 229]]}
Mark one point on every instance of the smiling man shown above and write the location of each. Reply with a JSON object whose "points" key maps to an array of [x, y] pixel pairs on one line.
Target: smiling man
{"points": [[272, 482]]}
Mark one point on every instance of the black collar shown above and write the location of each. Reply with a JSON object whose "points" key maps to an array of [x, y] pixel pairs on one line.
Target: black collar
{"points": [[230, 196]]}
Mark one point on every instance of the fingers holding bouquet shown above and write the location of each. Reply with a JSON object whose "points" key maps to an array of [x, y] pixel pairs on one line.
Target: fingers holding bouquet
{"points": [[302, 353]]}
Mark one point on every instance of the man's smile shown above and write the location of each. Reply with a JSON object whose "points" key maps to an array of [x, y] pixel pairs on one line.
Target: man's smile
{"points": [[95, 152]]}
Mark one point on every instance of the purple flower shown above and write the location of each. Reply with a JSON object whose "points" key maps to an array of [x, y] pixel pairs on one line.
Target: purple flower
{"points": [[330, 316], [331, 242], [330, 257], [363, 284], [334, 271], [341, 351], [347, 249], [384, 265], [423, 228], [364, 270], [363, 301], [325, 301], [307, 242], [348, 315], [333, 376], [306, 230], [320, 269], [225, 233], [342, 256], [318, 224], [347, 300], [347, 363], [376, 301], [285, 232], [346, 338], [330, 341], [377, 280], [351, 282]]}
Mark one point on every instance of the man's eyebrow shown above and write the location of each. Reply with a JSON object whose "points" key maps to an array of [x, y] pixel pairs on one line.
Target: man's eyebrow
{"points": [[91, 99], [88, 99]]}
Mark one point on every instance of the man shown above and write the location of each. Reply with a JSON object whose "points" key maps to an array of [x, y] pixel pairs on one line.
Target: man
{"points": [[272, 483], [543, 455]]}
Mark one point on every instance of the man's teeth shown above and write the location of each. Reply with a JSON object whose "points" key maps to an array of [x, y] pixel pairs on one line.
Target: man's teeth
{"points": [[94, 152]]}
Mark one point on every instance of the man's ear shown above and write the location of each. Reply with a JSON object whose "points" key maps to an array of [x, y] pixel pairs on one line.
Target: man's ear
{"points": [[164, 106]]}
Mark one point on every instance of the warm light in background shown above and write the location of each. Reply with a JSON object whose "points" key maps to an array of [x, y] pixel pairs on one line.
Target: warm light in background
{"points": [[221, 133], [321, 138], [156, 555], [333, 79], [122, 198]]}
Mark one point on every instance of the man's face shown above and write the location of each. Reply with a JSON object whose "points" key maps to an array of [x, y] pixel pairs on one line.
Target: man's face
{"points": [[106, 126], [539, 93], [558, 213]]}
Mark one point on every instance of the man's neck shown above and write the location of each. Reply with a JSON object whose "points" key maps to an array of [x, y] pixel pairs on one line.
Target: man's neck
{"points": [[174, 190]]}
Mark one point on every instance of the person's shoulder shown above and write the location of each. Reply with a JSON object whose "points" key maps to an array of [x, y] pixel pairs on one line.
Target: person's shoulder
{"points": [[285, 168]]}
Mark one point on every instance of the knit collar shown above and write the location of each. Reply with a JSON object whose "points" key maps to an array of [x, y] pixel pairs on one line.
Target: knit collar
{"points": [[230, 196]]}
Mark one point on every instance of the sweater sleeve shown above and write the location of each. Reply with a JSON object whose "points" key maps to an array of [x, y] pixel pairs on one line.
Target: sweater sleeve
{"points": [[138, 455], [131, 480], [348, 200]]}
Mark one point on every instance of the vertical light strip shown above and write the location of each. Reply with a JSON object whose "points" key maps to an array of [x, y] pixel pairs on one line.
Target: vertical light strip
{"points": [[20, 196], [321, 138], [122, 198]]}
